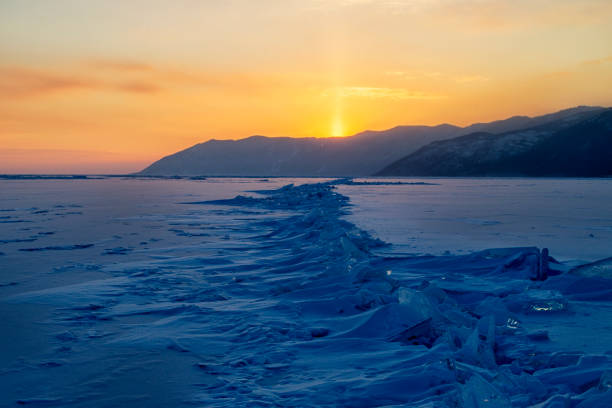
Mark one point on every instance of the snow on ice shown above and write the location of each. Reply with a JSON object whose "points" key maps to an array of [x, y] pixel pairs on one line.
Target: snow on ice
{"points": [[276, 298]]}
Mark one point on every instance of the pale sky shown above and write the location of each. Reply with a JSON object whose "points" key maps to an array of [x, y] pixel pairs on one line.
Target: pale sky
{"points": [[109, 86]]}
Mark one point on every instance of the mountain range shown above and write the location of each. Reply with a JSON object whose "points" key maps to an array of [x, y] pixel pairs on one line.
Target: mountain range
{"points": [[571, 142]]}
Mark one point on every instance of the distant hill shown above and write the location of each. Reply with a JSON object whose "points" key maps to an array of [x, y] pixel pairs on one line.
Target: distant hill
{"points": [[360, 155], [575, 143]]}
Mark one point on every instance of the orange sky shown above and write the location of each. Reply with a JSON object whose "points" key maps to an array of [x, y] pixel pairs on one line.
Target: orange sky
{"points": [[107, 87]]}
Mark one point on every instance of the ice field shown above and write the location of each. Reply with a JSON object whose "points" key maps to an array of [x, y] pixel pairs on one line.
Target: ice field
{"points": [[305, 292]]}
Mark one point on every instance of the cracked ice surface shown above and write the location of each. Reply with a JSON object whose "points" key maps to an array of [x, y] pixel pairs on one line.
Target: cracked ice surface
{"points": [[197, 294]]}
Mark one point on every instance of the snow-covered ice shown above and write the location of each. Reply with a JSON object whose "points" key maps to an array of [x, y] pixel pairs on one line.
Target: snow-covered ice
{"points": [[462, 215], [166, 293]]}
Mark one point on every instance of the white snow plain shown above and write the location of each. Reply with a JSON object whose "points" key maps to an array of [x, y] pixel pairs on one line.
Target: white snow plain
{"points": [[571, 217], [147, 292]]}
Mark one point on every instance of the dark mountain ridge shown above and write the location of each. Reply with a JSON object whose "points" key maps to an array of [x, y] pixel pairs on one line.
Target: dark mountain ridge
{"points": [[362, 154], [573, 146]]}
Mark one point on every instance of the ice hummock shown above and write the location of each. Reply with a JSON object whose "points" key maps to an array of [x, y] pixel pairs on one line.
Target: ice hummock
{"points": [[294, 308]]}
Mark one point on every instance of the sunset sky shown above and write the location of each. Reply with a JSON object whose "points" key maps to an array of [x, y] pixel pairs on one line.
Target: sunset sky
{"points": [[109, 86]]}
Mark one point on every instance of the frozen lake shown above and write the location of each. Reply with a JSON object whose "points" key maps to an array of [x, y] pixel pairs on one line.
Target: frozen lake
{"points": [[571, 217], [143, 292]]}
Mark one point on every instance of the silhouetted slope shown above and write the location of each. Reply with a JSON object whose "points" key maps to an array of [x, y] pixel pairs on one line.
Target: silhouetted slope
{"points": [[578, 145], [358, 155], [562, 117]]}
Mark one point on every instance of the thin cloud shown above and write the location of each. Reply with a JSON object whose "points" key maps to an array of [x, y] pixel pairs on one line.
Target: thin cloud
{"points": [[119, 65], [129, 77], [462, 79], [471, 78], [137, 71], [498, 15], [138, 87], [391, 93], [19, 82], [599, 61], [23, 82]]}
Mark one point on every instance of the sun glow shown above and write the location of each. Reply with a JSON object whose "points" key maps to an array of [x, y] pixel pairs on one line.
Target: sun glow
{"points": [[337, 127], [140, 95]]}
